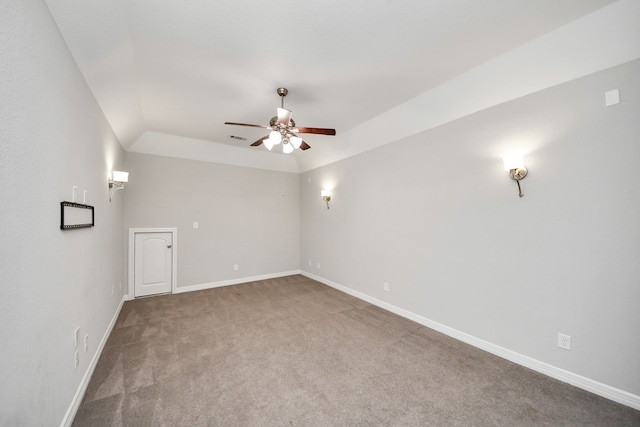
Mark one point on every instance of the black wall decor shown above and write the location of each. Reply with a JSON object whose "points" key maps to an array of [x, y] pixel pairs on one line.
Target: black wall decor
{"points": [[76, 215]]}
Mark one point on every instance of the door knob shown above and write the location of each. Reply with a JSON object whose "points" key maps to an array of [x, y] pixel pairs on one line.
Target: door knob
{"points": [[168, 246]]}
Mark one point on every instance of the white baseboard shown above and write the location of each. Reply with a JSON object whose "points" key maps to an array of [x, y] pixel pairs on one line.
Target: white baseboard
{"points": [[595, 387], [82, 388], [230, 282]]}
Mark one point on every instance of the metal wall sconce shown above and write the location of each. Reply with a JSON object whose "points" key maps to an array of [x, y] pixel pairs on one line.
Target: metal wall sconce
{"points": [[326, 196], [118, 178], [516, 169]]}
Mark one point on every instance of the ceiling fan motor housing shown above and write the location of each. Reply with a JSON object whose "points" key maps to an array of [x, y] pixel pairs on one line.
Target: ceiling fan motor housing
{"points": [[273, 123]]}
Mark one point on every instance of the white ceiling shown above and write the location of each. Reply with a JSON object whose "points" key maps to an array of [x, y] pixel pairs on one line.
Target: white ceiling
{"points": [[168, 74]]}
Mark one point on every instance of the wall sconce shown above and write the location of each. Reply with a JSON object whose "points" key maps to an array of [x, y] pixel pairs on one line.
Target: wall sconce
{"points": [[326, 196], [516, 169], [117, 181]]}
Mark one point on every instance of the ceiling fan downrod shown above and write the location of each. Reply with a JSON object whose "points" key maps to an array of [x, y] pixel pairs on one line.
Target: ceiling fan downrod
{"points": [[282, 92]]}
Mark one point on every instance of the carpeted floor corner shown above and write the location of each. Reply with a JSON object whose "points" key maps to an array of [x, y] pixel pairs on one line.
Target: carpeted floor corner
{"points": [[294, 352]]}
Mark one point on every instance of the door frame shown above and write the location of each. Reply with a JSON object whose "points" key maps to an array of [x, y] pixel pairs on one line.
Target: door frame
{"points": [[131, 257]]}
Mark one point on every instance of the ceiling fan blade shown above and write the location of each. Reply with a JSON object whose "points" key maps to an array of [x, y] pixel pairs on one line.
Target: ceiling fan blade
{"points": [[284, 116], [260, 141], [318, 131], [246, 124]]}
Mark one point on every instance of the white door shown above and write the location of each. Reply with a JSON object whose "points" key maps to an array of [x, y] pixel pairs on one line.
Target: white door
{"points": [[153, 261]]}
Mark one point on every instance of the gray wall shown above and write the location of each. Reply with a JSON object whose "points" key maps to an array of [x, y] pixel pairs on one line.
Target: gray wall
{"points": [[434, 215], [53, 136], [438, 218], [249, 217]]}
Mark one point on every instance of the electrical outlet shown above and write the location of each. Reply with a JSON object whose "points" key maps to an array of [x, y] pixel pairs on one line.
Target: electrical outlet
{"points": [[612, 97], [76, 337], [86, 342], [195, 225], [564, 341], [385, 286], [235, 267], [76, 359]]}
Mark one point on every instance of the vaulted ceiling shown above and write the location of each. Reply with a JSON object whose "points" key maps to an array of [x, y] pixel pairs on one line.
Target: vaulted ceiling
{"points": [[168, 74]]}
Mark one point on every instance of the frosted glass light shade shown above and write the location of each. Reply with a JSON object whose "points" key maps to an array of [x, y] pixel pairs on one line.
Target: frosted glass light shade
{"points": [[268, 143], [287, 148], [119, 176], [296, 141], [275, 137], [512, 162]]}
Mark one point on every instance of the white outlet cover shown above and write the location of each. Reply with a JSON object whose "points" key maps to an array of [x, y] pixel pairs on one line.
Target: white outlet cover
{"points": [[612, 97], [195, 225], [564, 341]]}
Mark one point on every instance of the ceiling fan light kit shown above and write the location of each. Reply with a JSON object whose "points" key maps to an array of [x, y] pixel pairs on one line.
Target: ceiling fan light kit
{"points": [[283, 129]]}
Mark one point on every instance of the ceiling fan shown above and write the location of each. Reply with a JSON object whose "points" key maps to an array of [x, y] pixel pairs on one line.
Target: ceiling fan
{"points": [[284, 130]]}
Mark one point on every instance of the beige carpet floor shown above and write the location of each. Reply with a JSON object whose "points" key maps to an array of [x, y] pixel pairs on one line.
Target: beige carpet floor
{"points": [[294, 352]]}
